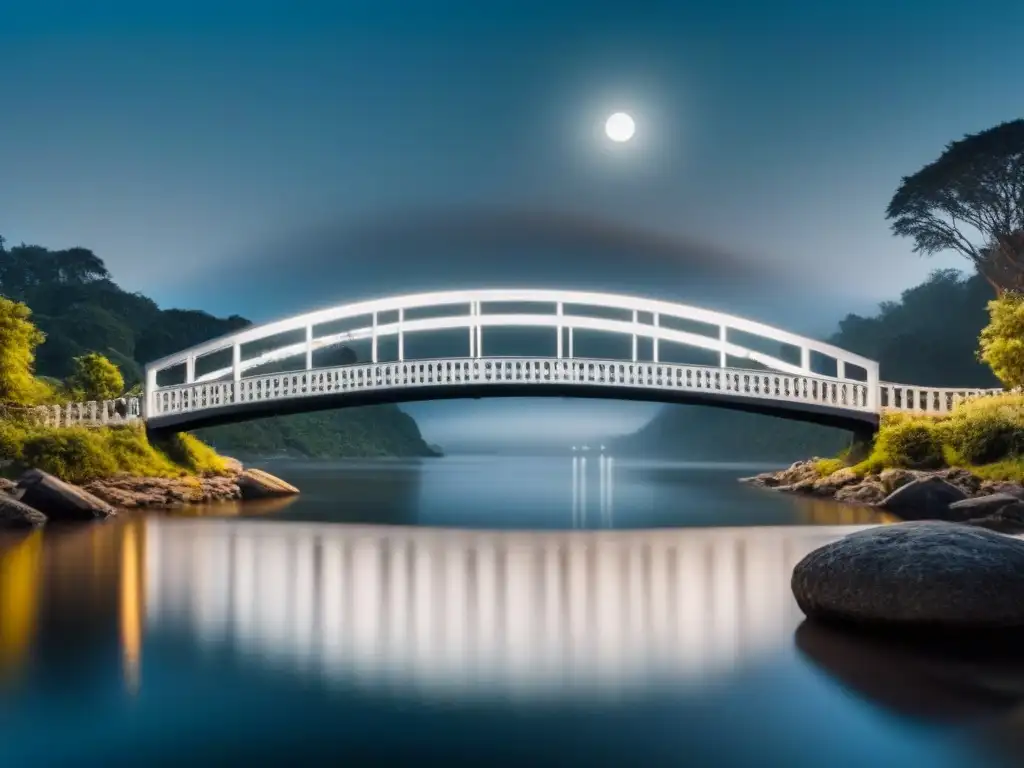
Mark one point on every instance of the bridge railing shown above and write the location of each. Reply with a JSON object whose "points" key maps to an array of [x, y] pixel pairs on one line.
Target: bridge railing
{"points": [[476, 372], [123, 410], [909, 398]]}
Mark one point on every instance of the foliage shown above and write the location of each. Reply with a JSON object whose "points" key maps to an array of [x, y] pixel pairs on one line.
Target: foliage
{"points": [[95, 378], [1002, 340], [80, 454], [74, 454], [825, 467], [984, 434], [930, 335], [192, 453], [18, 341], [82, 311], [910, 442], [975, 186]]}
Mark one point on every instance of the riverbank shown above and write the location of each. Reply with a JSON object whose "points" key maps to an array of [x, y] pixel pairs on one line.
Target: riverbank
{"points": [[38, 497]]}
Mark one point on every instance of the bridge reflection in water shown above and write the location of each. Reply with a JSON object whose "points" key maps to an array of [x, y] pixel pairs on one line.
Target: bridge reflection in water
{"points": [[452, 610]]}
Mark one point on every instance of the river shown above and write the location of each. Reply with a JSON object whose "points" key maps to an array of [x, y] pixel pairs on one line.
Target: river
{"points": [[512, 610]]}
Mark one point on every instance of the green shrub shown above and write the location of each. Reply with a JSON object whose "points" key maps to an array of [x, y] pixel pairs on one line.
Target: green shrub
{"points": [[132, 452], [909, 443], [12, 438], [75, 454], [825, 467], [80, 454], [192, 453]]}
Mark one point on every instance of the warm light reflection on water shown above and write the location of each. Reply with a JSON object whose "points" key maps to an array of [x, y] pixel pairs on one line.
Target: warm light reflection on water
{"points": [[19, 595], [448, 610]]}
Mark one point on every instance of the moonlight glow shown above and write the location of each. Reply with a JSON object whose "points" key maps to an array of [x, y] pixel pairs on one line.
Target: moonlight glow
{"points": [[620, 127]]}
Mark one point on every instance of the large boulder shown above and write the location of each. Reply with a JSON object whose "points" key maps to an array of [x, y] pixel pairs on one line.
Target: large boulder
{"points": [[911, 574], [926, 498], [257, 484], [60, 501], [15, 514], [1003, 486], [1008, 519], [980, 506]]}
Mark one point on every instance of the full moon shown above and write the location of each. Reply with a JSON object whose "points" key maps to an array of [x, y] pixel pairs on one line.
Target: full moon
{"points": [[620, 127]]}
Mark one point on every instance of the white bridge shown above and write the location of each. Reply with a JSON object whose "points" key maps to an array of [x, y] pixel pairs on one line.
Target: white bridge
{"points": [[272, 369]]}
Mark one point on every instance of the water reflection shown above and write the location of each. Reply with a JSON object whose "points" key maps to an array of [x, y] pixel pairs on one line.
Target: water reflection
{"points": [[443, 609], [606, 493], [217, 622], [19, 595]]}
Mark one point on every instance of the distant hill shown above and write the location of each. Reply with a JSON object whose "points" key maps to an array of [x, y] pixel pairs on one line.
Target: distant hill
{"points": [[930, 336], [81, 309]]}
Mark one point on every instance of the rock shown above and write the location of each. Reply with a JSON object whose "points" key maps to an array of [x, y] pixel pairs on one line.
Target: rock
{"points": [[233, 466], [1002, 486], [892, 479], [963, 479], [862, 493], [765, 479], [58, 500], [926, 498], [257, 484], [15, 514], [921, 573], [838, 479], [1008, 519], [132, 492], [980, 506]]}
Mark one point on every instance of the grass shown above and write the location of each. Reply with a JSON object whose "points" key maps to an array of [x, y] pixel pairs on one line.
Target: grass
{"points": [[984, 435], [79, 454]]}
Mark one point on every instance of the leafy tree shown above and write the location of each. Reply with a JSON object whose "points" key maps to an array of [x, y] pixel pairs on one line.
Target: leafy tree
{"points": [[1002, 340], [18, 341], [95, 378], [970, 200]]}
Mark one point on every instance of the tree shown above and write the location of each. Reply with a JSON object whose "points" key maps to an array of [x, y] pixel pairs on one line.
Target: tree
{"points": [[970, 200], [95, 378], [1002, 340], [18, 341]]}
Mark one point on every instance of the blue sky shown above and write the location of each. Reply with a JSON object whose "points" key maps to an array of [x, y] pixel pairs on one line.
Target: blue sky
{"points": [[222, 155]]}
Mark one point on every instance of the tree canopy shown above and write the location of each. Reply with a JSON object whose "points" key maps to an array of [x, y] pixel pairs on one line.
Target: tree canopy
{"points": [[1002, 340], [18, 341], [971, 201], [81, 311], [95, 378]]}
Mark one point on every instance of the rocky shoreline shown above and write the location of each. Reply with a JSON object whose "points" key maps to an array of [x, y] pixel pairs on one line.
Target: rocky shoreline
{"points": [[953, 495], [37, 497]]}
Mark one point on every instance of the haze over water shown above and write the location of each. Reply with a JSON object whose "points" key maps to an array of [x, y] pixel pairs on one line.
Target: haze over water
{"points": [[506, 609]]}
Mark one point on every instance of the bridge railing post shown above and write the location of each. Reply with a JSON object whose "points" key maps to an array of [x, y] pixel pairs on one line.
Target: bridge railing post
{"points": [[373, 340], [636, 319], [874, 388], [560, 311], [309, 346], [148, 394], [723, 339], [401, 335], [654, 343]]}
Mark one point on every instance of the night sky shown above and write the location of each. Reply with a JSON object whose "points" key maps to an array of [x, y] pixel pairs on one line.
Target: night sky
{"points": [[267, 158]]}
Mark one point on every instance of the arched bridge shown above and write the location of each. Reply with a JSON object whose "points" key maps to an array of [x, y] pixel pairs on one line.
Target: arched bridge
{"points": [[300, 364]]}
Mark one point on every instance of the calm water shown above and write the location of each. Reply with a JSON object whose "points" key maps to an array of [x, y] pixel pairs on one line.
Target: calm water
{"points": [[512, 611]]}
